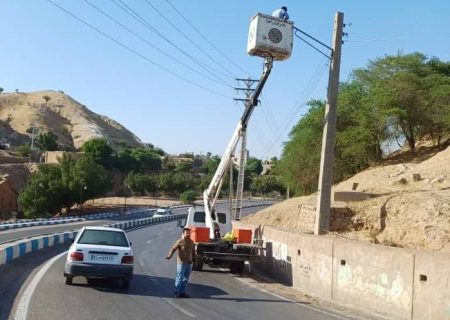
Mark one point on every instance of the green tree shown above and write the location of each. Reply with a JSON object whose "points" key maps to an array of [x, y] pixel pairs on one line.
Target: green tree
{"points": [[47, 141], [188, 196], [1, 90], [147, 159], [399, 85], [299, 163], [24, 150], [98, 151], [57, 186], [44, 193], [266, 184], [211, 164], [253, 167], [125, 161], [183, 167]]}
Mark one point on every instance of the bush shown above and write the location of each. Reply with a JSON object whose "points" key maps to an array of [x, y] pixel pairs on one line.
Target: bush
{"points": [[24, 150], [188, 196]]}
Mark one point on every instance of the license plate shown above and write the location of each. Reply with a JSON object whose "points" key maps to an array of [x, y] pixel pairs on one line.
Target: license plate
{"points": [[101, 258]]}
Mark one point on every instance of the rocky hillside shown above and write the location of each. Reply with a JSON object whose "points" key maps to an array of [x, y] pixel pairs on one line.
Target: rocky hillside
{"points": [[407, 204], [70, 120]]}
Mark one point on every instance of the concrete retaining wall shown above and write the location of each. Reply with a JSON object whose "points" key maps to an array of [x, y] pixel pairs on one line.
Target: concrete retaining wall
{"points": [[394, 282]]}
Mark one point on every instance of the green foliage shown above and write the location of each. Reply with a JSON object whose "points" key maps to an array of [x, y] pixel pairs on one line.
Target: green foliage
{"points": [[1, 90], [47, 141], [141, 184], [147, 160], [410, 90], [24, 150], [183, 167], [402, 96], [56, 186], [125, 161], [299, 164], [188, 196], [253, 167], [211, 164], [266, 184], [98, 151]]}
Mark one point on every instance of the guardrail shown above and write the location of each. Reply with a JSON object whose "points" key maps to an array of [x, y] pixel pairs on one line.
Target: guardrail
{"points": [[32, 223], [11, 251]]}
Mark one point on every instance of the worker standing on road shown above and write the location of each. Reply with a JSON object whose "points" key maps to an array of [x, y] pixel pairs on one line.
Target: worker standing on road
{"points": [[186, 254], [281, 13]]}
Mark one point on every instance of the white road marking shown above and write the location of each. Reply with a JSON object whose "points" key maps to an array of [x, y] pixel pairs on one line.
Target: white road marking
{"points": [[173, 304], [22, 308], [170, 229], [148, 241], [141, 262], [159, 234], [289, 300], [179, 308]]}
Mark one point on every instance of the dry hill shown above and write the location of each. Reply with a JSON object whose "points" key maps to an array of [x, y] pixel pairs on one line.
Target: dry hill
{"points": [[71, 121], [410, 206]]}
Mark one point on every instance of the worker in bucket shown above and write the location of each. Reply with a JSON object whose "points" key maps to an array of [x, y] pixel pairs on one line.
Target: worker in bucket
{"points": [[281, 13], [186, 254]]}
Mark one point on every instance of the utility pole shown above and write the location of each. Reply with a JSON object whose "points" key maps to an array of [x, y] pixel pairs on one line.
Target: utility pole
{"points": [[32, 137], [237, 203], [322, 222]]}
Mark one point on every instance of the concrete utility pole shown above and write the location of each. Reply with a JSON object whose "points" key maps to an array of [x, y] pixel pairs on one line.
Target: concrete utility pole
{"points": [[322, 222]]}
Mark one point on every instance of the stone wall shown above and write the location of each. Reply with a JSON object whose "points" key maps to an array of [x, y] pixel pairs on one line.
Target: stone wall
{"points": [[342, 218]]}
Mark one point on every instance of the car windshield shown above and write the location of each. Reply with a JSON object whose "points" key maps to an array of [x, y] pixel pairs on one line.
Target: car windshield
{"points": [[104, 237]]}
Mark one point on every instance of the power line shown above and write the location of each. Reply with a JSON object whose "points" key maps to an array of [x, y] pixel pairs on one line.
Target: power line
{"points": [[206, 39], [124, 46], [305, 95], [123, 6], [190, 40], [149, 43]]}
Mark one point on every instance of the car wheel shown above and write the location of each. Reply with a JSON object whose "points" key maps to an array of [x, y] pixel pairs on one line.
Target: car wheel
{"points": [[69, 280]]}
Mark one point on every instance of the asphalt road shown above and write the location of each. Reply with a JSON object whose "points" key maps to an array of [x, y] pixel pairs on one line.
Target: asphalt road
{"points": [[12, 234], [215, 294]]}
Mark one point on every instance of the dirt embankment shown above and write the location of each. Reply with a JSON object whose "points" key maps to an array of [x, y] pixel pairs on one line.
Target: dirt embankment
{"points": [[409, 207]]}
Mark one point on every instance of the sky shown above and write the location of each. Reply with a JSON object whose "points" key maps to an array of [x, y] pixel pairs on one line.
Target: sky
{"points": [[168, 74]]}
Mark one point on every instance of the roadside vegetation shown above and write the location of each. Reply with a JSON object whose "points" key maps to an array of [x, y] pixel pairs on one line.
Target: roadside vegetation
{"points": [[394, 101]]}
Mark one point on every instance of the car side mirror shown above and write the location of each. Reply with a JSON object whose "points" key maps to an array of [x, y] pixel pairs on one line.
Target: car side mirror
{"points": [[131, 243]]}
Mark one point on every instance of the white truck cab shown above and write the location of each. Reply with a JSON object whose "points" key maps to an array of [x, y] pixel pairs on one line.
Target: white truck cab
{"points": [[197, 218]]}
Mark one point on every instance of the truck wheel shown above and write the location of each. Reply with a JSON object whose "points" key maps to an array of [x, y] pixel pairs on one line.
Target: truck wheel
{"points": [[69, 280], [197, 264], [237, 267]]}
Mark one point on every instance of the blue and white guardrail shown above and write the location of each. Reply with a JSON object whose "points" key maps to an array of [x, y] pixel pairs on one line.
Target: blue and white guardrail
{"points": [[32, 223], [11, 251]]}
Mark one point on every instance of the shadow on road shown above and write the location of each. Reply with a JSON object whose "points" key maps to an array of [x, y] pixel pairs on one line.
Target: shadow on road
{"points": [[153, 286]]}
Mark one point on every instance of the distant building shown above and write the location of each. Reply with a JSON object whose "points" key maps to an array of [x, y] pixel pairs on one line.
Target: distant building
{"points": [[54, 156]]}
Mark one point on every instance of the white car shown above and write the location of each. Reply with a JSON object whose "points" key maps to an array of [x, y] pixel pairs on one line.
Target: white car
{"points": [[100, 252], [163, 212]]}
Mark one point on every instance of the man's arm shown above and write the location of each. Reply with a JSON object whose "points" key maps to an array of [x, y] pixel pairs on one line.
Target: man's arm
{"points": [[173, 249]]}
